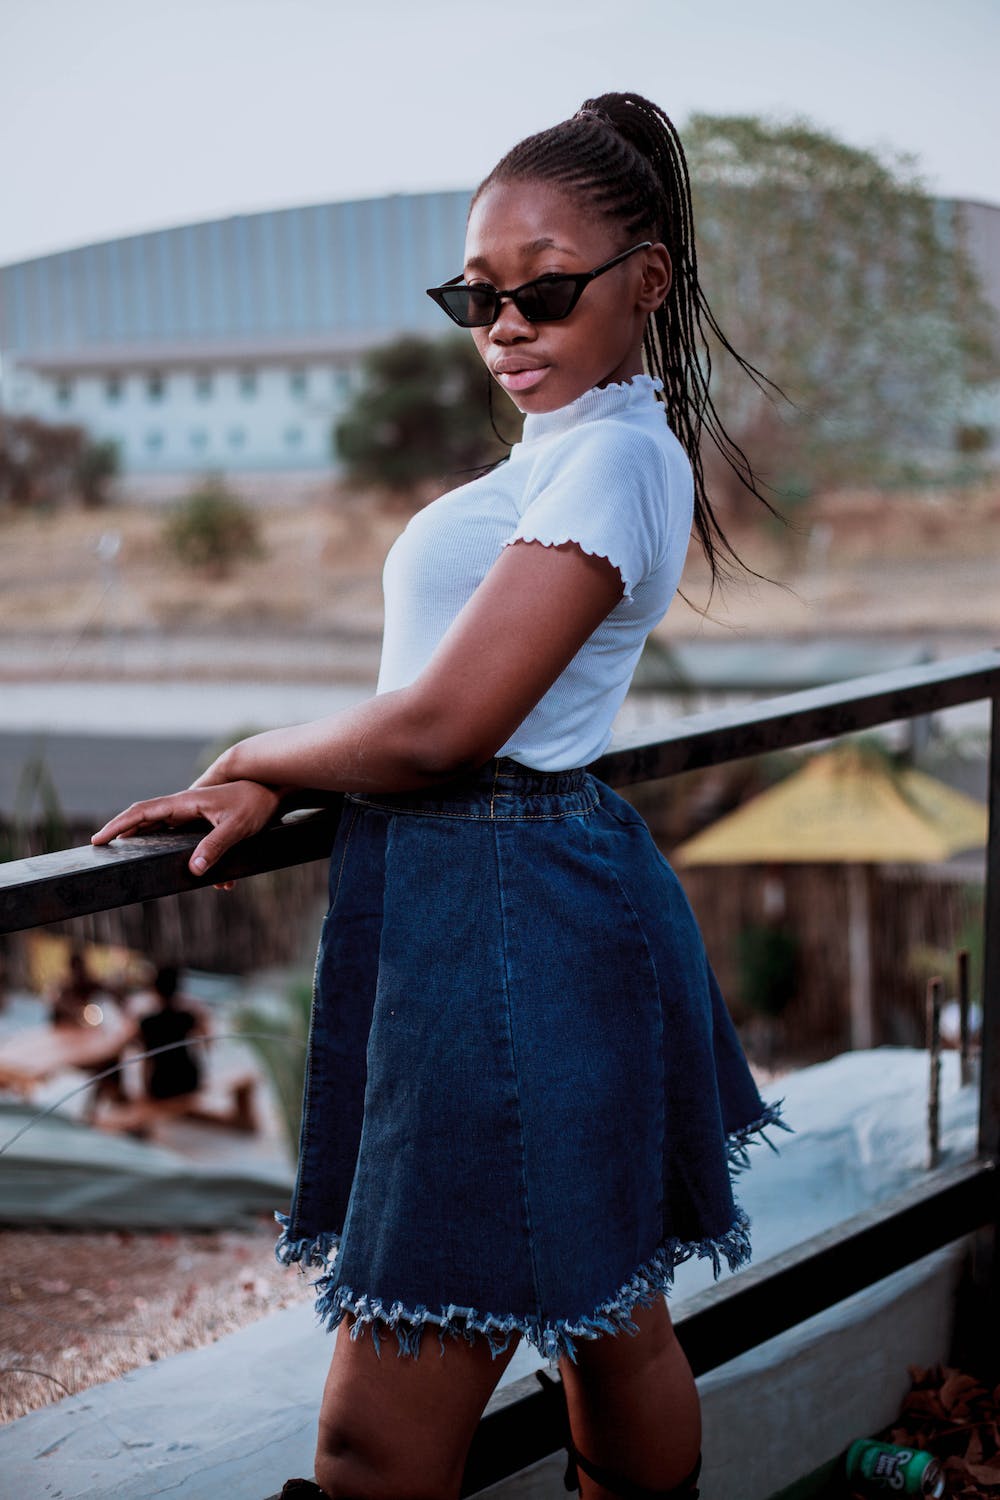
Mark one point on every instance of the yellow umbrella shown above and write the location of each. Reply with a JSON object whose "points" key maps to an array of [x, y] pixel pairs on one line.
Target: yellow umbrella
{"points": [[847, 805]]}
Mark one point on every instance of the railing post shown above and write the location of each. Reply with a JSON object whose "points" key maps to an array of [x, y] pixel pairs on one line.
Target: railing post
{"points": [[989, 1098], [987, 1249]]}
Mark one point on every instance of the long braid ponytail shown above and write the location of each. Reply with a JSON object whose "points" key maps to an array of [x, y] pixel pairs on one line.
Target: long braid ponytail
{"points": [[623, 154]]}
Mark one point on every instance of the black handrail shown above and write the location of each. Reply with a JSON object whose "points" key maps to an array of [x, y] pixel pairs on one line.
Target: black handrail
{"points": [[74, 882]]}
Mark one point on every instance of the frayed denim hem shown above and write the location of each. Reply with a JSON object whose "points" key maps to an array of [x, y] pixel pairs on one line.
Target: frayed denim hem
{"points": [[552, 1339], [738, 1141], [555, 1338], [317, 1251]]}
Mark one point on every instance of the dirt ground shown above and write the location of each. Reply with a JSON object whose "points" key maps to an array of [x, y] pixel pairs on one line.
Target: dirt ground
{"points": [[77, 1309], [853, 562]]}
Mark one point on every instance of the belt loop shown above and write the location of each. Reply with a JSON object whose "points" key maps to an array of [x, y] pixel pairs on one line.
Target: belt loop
{"points": [[493, 789]]}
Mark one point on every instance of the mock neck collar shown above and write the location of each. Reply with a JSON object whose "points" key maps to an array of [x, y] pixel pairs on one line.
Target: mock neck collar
{"points": [[621, 396]]}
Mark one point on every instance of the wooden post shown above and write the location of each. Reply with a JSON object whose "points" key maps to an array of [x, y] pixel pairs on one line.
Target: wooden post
{"points": [[986, 1261], [965, 1049], [859, 946], [934, 991]]}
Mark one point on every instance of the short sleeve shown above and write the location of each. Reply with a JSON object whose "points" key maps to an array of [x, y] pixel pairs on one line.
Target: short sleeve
{"points": [[605, 489]]}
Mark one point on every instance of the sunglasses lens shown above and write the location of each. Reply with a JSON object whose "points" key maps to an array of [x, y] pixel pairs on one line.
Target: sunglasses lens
{"points": [[547, 299], [472, 306]]}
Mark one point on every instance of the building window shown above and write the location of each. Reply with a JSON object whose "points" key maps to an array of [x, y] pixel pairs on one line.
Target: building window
{"points": [[293, 437], [154, 385], [203, 385], [154, 440], [237, 437], [64, 392], [199, 439], [297, 382], [113, 388], [248, 382]]}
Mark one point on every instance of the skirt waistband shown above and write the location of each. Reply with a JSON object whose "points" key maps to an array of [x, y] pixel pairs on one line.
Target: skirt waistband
{"points": [[501, 789]]}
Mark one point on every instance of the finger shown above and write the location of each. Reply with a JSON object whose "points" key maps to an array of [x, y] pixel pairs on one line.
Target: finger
{"points": [[112, 827], [214, 845], [139, 815]]}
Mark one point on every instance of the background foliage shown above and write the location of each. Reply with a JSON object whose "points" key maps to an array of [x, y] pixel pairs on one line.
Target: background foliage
{"points": [[422, 414], [834, 272], [212, 529], [46, 464], [829, 267]]}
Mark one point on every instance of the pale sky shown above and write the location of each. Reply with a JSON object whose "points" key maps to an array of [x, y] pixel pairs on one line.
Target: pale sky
{"points": [[123, 115]]}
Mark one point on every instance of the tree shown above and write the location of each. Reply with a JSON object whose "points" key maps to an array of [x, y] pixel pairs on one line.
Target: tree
{"points": [[832, 270], [212, 528], [96, 467], [422, 414], [49, 463]]}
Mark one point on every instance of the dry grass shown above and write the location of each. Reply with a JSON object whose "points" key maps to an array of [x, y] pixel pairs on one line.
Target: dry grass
{"points": [[854, 560], [77, 1309], [320, 567]]}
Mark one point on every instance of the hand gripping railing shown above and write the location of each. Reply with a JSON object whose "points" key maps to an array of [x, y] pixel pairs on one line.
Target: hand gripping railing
{"points": [[762, 1301]]}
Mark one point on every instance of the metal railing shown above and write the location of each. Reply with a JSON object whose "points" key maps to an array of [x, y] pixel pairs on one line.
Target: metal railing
{"points": [[762, 1301]]}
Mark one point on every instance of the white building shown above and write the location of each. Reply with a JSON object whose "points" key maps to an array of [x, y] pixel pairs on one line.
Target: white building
{"points": [[231, 345]]}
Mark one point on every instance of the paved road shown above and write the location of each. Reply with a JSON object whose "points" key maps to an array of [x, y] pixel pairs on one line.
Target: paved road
{"points": [[96, 775]]}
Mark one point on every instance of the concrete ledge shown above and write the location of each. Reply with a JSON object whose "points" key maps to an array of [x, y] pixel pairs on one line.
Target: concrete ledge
{"points": [[234, 1419], [238, 1417], [799, 1400]]}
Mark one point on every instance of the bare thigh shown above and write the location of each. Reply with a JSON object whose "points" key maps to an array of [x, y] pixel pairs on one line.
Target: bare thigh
{"points": [[632, 1402], [401, 1427]]}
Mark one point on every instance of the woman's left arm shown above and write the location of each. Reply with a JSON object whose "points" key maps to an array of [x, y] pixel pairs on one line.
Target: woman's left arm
{"points": [[523, 625]]}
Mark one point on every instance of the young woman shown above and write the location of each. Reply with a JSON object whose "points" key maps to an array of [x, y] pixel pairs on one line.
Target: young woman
{"points": [[524, 1096]]}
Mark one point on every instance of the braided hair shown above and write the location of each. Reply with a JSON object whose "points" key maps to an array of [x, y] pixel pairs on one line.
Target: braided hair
{"points": [[623, 155]]}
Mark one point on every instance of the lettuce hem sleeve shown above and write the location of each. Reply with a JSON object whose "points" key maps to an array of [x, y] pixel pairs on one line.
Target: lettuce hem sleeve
{"points": [[548, 539]]}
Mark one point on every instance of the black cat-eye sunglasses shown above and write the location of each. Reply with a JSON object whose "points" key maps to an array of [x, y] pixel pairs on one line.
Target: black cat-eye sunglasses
{"points": [[544, 300]]}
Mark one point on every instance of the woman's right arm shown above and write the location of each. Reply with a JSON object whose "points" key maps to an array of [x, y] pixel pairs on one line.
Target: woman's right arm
{"points": [[520, 630]]}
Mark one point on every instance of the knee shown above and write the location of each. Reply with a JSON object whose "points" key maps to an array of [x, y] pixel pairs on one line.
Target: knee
{"points": [[346, 1470], [343, 1470]]}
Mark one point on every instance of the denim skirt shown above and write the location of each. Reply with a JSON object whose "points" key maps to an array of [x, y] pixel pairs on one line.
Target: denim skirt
{"points": [[524, 1100]]}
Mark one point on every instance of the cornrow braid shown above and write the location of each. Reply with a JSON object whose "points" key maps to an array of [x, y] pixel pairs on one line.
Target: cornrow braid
{"points": [[623, 155]]}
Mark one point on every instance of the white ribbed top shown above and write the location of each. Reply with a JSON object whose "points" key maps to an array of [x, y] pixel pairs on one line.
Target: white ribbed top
{"points": [[605, 472]]}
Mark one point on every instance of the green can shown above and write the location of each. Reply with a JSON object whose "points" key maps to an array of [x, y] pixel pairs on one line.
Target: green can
{"points": [[881, 1469]]}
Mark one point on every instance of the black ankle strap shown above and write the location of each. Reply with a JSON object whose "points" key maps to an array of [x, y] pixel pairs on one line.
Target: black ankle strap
{"points": [[618, 1485], [609, 1480]]}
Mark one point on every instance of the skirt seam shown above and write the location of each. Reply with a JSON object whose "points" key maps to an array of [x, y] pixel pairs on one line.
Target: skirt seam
{"points": [[304, 1136], [659, 996], [343, 858], [522, 1166]]}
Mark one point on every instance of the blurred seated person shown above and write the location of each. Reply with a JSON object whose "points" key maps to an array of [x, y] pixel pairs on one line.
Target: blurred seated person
{"points": [[174, 1082], [78, 991], [83, 1001], [177, 1071]]}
